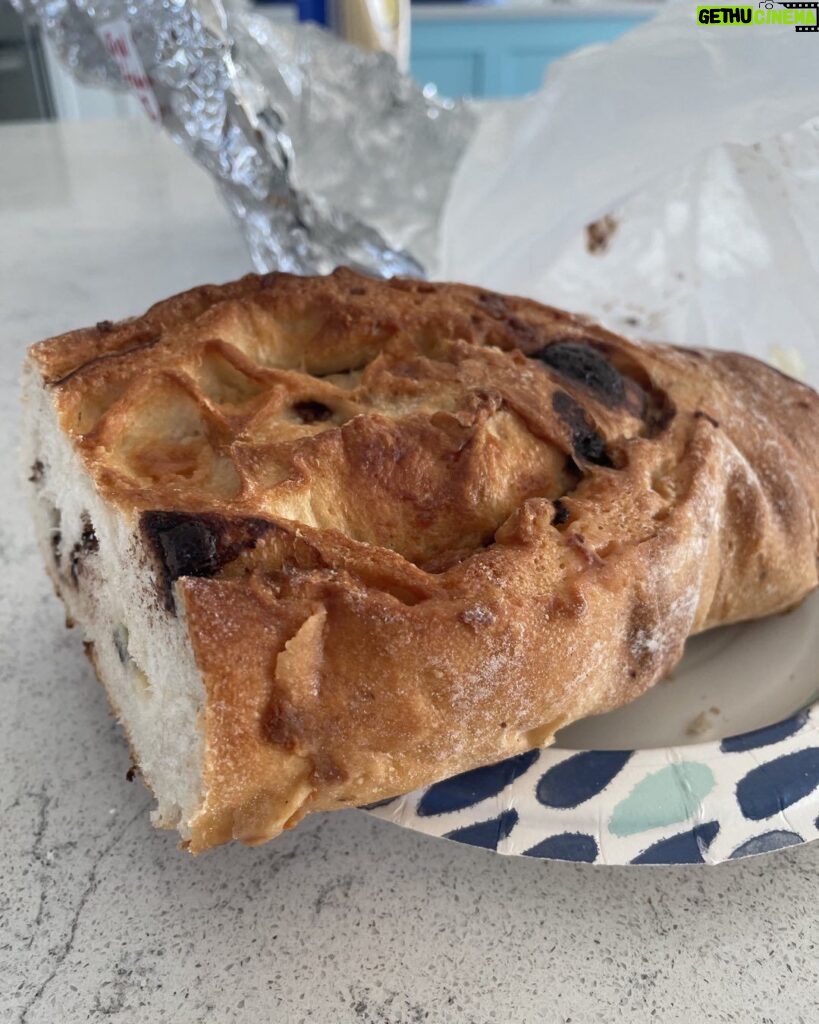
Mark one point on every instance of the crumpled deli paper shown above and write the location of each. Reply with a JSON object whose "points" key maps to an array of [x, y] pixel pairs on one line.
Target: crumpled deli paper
{"points": [[667, 184], [325, 154]]}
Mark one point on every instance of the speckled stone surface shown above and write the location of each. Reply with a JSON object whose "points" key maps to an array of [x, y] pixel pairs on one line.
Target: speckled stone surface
{"points": [[347, 920]]}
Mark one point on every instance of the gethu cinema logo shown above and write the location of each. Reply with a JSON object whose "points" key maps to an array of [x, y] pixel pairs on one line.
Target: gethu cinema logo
{"points": [[802, 15]]}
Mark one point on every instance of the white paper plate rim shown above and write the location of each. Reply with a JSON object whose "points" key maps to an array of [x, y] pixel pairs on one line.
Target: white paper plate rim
{"points": [[702, 803]]}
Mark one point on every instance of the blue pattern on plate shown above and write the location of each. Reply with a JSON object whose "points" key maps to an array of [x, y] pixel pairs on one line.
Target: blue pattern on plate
{"points": [[566, 846], [472, 787], [486, 834], [770, 788], [756, 776], [765, 736], [580, 777], [767, 843], [684, 848]]}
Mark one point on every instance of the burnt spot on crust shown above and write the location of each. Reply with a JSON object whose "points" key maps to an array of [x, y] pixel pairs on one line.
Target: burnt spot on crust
{"points": [[584, 365], [587, 443], [104, 326], [86, 545], [700, 415], [132, 772], [312, 412], [37, 472], [187, 544]]}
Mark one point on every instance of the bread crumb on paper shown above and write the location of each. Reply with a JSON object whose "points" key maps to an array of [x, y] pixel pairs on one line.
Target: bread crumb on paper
{"points": [[599, 234], [702, 723]]}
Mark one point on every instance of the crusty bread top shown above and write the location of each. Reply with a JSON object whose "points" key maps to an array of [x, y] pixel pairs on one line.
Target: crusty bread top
{"points": [[417, 527]]}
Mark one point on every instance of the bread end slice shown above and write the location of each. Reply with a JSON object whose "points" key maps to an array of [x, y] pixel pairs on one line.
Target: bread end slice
{"points": [[101, 567]]}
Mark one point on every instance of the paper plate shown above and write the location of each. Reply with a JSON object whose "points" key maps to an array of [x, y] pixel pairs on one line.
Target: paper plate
{"points": [[721, 761]]}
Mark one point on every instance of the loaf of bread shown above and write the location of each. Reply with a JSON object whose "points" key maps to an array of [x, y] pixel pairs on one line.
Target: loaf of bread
{"points": [[331, 539]]}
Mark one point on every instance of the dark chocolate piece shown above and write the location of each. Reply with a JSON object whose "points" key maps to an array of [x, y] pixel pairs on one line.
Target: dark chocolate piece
{"points": [[312, 412], [562, 514], [86, 545], [587, 443], [56, 542], [584, 365], [187, 544]]}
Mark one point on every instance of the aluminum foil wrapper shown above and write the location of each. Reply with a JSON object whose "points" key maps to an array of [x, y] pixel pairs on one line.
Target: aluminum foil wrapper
{"points": [[326, 155]]}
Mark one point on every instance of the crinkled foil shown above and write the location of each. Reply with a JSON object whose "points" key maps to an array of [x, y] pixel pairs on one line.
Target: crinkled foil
{"points": [[326, 155]]}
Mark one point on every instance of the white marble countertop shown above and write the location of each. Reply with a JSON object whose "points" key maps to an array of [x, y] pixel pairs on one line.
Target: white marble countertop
{"points": [[347, 920]]}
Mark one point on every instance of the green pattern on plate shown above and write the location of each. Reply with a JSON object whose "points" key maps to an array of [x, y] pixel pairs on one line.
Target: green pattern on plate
{"points": [[669, 795]]}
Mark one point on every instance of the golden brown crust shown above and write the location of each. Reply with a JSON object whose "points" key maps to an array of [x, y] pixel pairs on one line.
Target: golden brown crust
{"points": [[415, 528]]}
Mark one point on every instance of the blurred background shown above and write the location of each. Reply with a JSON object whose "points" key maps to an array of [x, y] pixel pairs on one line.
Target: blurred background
{"points": [[461, 49]]}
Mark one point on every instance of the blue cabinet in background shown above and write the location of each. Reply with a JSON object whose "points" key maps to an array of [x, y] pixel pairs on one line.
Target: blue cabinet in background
{"points": [[499, 53]]}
